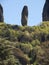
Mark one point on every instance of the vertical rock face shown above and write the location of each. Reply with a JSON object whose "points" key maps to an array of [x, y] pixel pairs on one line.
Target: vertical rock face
{"points": [[45, 14], [24, 16], [1, 14]]}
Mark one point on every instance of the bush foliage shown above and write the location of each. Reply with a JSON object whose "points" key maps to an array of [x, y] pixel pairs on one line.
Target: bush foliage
{"points": [[32, 44]]}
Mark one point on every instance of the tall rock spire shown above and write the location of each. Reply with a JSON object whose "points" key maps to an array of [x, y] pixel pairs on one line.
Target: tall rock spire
{"points": [[24, 16], [45, 14], [1, 14]]}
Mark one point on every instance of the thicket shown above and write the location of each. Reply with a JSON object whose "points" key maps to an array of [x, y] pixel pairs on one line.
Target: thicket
{"points": [[30, 40]]}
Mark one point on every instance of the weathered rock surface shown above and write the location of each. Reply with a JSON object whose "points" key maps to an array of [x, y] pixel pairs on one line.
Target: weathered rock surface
{"points": [[24, 16], [1, 14], [45, 14]]}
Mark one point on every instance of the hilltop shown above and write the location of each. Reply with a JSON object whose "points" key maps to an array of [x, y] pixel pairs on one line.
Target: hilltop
{"points": [[21, 45]]}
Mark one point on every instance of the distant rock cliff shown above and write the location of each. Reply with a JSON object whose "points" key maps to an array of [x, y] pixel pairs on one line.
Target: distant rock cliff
{"points": [[45, 14], [1, 14], [24, 16]]}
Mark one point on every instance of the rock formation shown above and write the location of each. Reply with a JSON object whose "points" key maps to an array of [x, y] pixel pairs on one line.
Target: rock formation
{"points": [[24, 16], [1, 14], [45, 14]]}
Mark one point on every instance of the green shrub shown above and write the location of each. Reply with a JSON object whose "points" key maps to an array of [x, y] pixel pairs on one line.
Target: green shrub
{"points": [[35, 42], [26, 48], [6, 56]]}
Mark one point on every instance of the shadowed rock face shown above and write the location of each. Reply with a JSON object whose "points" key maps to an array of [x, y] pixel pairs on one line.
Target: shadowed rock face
{"points": [[24, 16], [47, 0], [1, 14], [45, 14]]}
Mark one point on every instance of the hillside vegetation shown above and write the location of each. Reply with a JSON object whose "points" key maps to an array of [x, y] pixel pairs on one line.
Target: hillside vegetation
{"points": [[22, 45]]}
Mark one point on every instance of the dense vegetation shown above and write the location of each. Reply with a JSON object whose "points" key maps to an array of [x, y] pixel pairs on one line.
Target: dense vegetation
{"points": [[21, 45]]}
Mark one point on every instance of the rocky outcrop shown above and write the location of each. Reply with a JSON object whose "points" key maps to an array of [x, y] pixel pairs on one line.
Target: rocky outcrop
{"points": [[24, 16], [45, 14], [1, 14]]}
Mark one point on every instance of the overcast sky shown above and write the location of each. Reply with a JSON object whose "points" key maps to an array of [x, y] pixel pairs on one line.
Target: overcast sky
{"points": [[13, 9]]}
